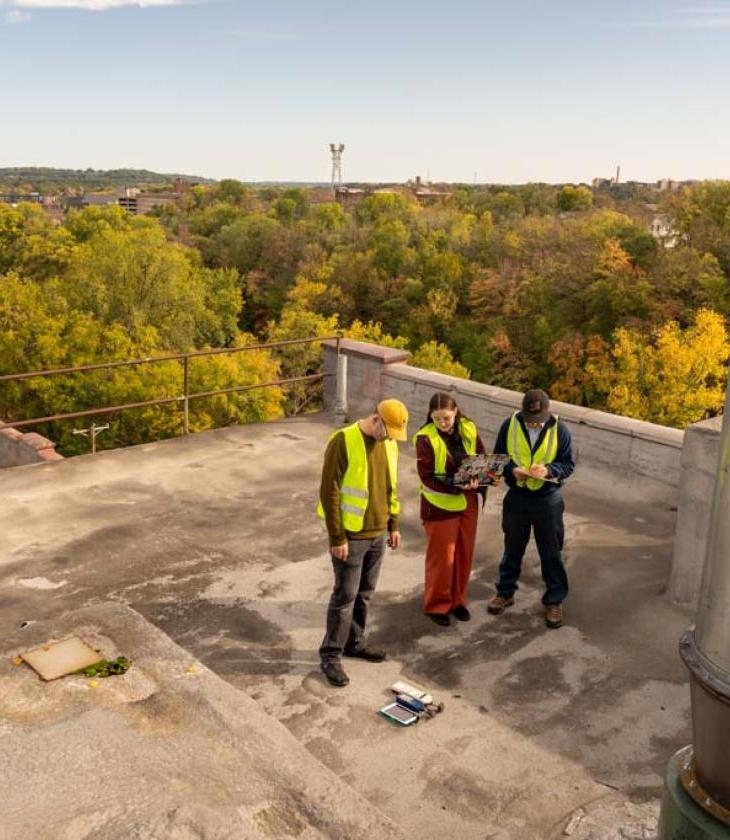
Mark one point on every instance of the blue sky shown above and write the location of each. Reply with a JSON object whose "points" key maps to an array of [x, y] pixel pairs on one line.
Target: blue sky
{"points": [[498, 91]]}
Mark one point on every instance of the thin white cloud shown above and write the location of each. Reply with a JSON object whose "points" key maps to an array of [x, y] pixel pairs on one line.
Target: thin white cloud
{"points": [[701, 17], [90, 5], [14, 17]]}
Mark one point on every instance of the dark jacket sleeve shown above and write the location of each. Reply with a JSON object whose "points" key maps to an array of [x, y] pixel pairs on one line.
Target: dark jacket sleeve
{"points": [[564, 464], [425, 463], [333, 471]]}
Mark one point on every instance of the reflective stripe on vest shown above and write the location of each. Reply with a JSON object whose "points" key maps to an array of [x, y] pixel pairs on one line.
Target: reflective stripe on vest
{"points": [[520, 451], [455, 502], [354, 491]]}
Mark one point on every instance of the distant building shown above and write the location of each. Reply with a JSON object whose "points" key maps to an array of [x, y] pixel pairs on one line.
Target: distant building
{"points": [[347, 196], [78, 202], [131, 199], [601, 183], [142, 203], [49, 203], [663, 232], [426, 195], [20, 198], [320, 195]]}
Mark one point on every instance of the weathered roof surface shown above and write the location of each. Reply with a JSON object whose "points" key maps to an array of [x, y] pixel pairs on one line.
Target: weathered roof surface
{"points": [[169, 750], [214, 540]]}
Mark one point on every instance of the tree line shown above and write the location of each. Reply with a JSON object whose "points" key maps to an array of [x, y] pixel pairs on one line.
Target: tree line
{"points": [[50, 181], [522, 286]]}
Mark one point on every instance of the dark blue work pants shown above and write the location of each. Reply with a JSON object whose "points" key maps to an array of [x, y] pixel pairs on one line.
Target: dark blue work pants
{"points": [[543, 515]]}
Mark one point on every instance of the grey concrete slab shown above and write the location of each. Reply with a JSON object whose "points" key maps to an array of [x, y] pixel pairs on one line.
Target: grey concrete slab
{"points": [[168, 750], [213, 538]]}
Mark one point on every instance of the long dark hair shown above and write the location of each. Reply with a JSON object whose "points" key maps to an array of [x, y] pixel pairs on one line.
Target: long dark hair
{"points": [[441, 400]]}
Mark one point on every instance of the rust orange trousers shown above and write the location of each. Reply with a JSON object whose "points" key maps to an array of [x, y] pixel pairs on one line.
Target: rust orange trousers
{"points": [[449, 555]]}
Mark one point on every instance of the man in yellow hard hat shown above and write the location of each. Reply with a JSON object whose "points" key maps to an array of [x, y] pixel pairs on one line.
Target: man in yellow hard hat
{"points": [[359, 503]]}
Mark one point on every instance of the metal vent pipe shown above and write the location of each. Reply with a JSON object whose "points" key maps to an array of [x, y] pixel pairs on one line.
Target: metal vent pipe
{"points": [[705, 650]]}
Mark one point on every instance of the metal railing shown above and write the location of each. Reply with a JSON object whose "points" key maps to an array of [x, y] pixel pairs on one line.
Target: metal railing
{"points": [[183, 398]]}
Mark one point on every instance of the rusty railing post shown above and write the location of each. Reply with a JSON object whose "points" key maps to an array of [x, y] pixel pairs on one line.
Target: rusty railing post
{"points": [[186, 394]]}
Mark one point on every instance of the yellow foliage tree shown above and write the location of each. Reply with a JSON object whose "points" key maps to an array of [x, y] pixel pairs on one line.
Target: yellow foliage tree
{"points": [[299, 321], [437, 357], [373, 332], [672, 376]]}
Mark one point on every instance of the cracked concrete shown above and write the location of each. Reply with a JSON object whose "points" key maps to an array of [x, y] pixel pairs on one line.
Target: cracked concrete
{"points": [[213, 539]]}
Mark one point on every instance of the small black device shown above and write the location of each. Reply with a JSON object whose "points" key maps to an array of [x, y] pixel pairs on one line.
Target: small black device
{"points": [[410, 703]]}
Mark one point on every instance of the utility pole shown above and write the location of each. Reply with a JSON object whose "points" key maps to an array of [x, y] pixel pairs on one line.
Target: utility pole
{"points": [[91, 432]]}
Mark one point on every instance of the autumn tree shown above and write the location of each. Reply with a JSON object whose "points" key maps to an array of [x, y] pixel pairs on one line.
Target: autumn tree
{"points": [[701, 215], [437, 357], [670, 376], [619, 291], [572, 198], [39, 329], [581, 366], [31, 243], [136, 278]]}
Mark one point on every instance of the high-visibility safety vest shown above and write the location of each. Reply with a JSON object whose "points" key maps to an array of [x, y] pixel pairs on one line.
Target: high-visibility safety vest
{"points": [[354, 490], [446, 501], [520, 451]]}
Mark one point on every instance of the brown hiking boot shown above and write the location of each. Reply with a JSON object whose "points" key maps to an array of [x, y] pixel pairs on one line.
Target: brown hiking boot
{"points": [[554, 616], [498, 604]]}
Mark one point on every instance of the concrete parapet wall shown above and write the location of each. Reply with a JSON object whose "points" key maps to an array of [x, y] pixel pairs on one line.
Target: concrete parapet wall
{"points": [[700, 458], [628, 455], [365, 366], [18, 449]]}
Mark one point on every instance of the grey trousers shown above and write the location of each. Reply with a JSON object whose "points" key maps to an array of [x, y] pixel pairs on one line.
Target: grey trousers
{"points": [[355, 581]]}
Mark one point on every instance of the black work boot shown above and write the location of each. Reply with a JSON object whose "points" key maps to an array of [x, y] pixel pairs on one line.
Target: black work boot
{"points": [[367, 653], [335, 674]]}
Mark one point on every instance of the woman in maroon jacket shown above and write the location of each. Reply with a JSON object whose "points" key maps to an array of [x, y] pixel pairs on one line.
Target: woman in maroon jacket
{"points": [[449, 514]]}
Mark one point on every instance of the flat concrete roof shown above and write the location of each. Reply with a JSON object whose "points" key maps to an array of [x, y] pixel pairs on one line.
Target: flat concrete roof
{"points": [[213, 538], [168, 751]]}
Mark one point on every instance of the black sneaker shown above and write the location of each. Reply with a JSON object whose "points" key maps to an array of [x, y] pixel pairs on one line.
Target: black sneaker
{"points": [[367, 653], [441, 619], [461, 613], [335, 674]]}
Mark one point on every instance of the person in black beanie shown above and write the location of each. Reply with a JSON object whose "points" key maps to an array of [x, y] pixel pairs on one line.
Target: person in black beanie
{"points": [[541, 458]]}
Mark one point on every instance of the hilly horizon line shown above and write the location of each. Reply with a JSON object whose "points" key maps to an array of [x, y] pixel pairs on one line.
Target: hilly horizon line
{"points": [[149, 175]]}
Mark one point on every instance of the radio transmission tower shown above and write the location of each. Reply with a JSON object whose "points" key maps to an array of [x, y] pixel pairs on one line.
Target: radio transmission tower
{"points": [[337, 149]]}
